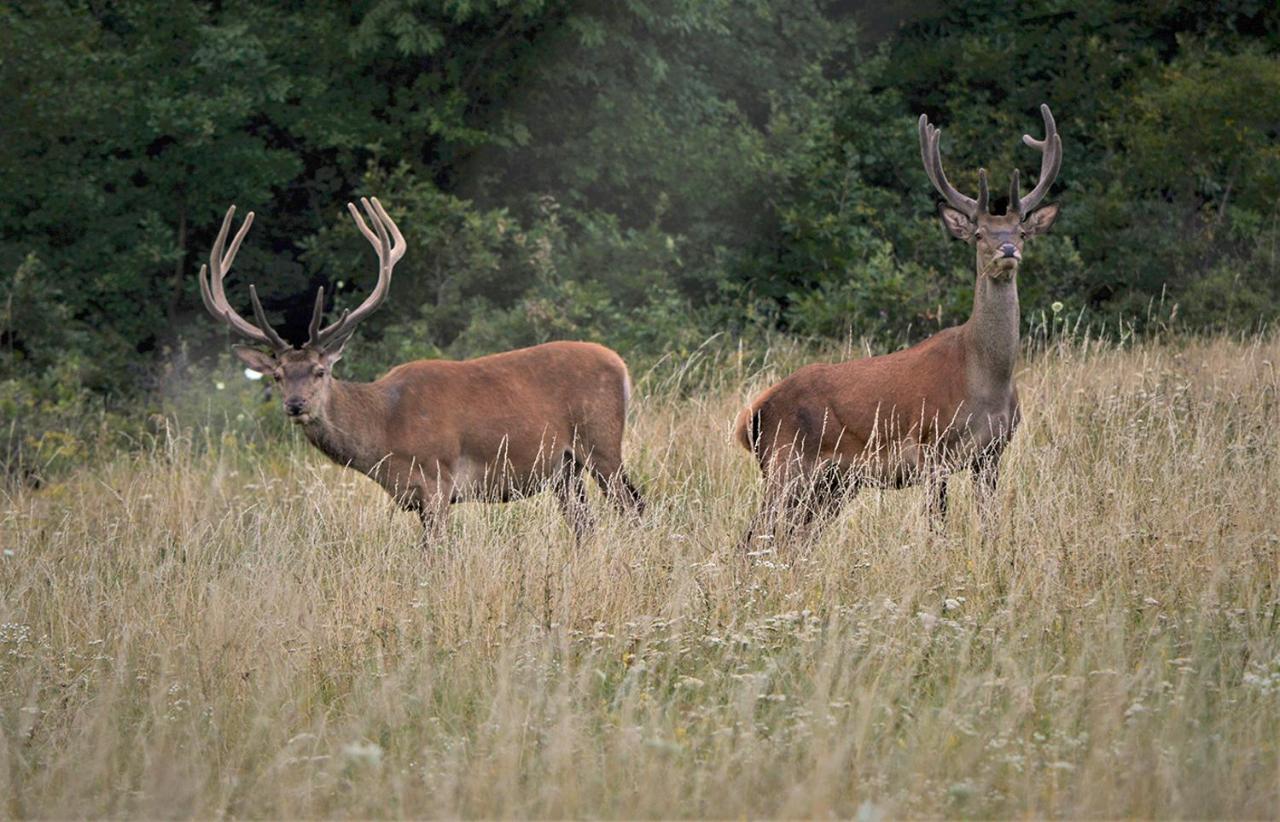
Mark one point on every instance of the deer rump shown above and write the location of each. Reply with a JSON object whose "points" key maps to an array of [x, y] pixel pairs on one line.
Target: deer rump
{"points": [[493, 429]]}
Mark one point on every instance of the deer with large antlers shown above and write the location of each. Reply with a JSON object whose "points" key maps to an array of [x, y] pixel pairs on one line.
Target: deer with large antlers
{"points": [[914, 415], [436, 432]]}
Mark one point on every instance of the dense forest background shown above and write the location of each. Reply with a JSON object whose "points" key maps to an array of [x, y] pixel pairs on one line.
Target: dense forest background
{"points": [[643, 173]]}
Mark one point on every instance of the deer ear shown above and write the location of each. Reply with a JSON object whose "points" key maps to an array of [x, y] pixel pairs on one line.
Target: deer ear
{"points": [[958, 223], [1038, 221], [332, 351], [259, 361], [332, 354]]}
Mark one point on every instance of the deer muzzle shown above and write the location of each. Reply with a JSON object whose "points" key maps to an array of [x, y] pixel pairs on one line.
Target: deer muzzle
{"points": [[1004, 263]]}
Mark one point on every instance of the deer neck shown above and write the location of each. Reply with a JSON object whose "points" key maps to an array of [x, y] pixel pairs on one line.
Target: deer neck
{"points": [[347, 431], [992, 333]]}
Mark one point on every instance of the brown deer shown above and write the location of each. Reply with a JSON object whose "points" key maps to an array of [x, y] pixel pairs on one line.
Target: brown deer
{"points": [[914, 415], [435, 432]]}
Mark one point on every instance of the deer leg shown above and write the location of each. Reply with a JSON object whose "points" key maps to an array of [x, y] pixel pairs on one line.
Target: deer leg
{"points": [[986, 475], [764, 524], [434, 520], [825, 496], [430, 501], [626, 496], [617, 486], [571, 493], [936, 500], [784, 509], [622, 493]]}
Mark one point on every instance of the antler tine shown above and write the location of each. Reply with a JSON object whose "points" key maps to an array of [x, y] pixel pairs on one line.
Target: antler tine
{"points": [[983, 194], [384, 239], [1050, 149], [931, 154], [214, 296], [277, 342], [211, 290], [397, 239], [388, 243], [1015, 183], [317, 314], [926, 141]]}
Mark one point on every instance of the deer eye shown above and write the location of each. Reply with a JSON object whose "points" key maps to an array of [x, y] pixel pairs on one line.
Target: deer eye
{"points": [[978, 234], [319, 372]]}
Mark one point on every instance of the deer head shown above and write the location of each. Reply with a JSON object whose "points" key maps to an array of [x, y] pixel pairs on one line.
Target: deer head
{"points": [[998, 238], [304, 374]]}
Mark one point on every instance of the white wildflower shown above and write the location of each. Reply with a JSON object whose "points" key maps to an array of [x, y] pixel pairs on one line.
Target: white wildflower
{"points": [[369, 753], [869, 811]]}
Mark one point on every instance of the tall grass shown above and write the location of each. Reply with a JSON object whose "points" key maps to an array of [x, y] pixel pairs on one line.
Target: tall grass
{"points": [[208, 629]]}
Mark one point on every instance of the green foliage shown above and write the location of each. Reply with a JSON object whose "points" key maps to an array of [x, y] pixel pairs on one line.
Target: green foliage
{"points": [[1169, 183], [1198, 188], [53, 421], [643, 173], [593, 280]]}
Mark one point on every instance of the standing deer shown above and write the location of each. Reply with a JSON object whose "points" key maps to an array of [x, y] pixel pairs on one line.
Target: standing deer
{"points": [[914, 415], [435, 432]]}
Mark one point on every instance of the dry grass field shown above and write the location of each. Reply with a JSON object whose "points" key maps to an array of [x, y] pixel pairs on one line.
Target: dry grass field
{"points": [[206, 629]]}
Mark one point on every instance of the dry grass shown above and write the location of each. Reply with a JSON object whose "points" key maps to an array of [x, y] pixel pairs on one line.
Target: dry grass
{"points": [[206, 630]]}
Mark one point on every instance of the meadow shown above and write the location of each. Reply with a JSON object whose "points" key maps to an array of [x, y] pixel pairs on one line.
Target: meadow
{"points": [[209, 627]]}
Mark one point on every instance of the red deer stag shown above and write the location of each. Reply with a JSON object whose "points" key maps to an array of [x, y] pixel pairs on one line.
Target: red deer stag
{"points": [[914, 415], [436, 432]]}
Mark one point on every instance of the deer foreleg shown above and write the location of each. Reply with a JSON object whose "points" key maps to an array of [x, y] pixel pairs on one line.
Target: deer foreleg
{"points": [[986, 476], [936, 500], [429, 499]]}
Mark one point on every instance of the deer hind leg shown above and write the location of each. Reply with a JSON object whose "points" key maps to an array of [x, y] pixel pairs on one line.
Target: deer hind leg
{"points": [[571, 493], [779, 469], [626, 495], [825, 495], [764, 525], [617, 486], [798, 500]]}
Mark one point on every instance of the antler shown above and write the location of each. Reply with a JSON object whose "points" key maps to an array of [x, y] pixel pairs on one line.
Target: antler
{"points": [[389, 244], [932, 157], [1050, 149], [215, 299]]}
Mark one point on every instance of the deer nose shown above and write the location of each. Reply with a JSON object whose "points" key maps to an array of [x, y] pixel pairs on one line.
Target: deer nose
{"points": [[1009, 250], [294, 407]]}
